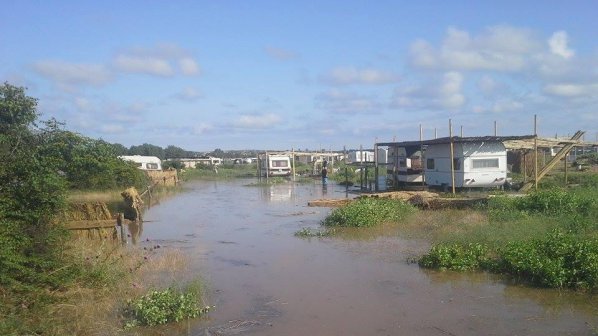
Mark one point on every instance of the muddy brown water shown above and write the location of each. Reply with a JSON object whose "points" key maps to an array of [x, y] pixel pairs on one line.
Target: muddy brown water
{"points": [[263, 280]]}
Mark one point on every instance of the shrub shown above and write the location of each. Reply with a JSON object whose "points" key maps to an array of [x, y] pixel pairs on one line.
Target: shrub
{"points": [[555, 202], [561, 260], [456, 257], [368, 211], [161, 307]]}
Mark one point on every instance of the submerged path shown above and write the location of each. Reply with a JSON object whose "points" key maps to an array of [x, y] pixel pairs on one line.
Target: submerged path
{"points": [[264, 280]]}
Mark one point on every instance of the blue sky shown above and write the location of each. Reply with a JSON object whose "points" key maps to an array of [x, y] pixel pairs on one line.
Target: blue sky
{"points": [[304, 74]]}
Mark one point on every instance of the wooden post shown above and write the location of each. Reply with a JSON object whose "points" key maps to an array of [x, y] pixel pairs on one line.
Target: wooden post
{"points": [[259, 169], [495, 129], [435, 133], [375, 167], [452, 156], [461, 130], [566, 168], [421, 154], [120, 222], [524, 167], [293, 154], [267, 167], [536, 152], [346, 179]]}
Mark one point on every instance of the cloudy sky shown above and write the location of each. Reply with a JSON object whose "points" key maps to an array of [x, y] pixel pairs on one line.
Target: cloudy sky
{"points": [[304, 74]]}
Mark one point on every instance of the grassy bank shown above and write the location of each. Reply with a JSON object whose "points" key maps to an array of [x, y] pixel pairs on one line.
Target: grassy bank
{"points": [[548, 238], [107, 277]]}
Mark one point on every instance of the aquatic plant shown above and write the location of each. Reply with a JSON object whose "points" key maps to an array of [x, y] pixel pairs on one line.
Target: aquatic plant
{"points": [[458, 257], [308, 233], [367, 212], [164, 306], [561, 260]]}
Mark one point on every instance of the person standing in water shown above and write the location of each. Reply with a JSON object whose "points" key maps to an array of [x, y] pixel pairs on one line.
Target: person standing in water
{"points": [[324, 172]]}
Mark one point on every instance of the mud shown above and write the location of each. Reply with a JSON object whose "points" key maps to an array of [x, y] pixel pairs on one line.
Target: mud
{"points": [[263, 280]]}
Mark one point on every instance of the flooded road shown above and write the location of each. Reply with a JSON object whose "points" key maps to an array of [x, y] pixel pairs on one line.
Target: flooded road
{"points": [[265, 281]]}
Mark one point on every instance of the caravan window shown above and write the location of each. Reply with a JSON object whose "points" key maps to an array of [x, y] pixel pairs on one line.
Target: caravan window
{"points": [[403, 163], [484, 163], [151, 165], [280, 163], [457, 163], [430, 163]]}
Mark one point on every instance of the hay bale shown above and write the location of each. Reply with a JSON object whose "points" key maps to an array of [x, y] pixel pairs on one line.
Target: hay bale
{"points": [[133, 203], [419, 201], [87, 211]]}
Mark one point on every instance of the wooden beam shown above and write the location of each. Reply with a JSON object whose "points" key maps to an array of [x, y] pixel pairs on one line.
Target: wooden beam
{"points": [[553, 161]]}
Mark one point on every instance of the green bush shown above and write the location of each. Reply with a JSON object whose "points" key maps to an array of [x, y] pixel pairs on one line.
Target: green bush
{"points": [[555, 202], [561, 260], [368, 211], [456, 257], [161, 307]]}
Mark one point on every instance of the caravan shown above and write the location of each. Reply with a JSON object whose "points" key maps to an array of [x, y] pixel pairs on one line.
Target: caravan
{"points": [[275, 165], [144, 162]]}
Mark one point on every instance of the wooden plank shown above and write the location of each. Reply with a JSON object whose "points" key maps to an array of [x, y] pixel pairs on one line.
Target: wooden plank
{"points": [[561, 154]]}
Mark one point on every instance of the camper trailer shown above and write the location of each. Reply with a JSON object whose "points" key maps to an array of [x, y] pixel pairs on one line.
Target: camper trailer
{"points": [[478, 164], [144, 162], [406, 165], [275, 165]]}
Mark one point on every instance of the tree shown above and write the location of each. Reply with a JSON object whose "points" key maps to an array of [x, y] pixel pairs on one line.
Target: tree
{"points": [[31, 193], [147, 150], [174, 152]]}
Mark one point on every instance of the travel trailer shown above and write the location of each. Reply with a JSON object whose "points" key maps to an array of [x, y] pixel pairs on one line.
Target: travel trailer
{"points": [[144, 162], [275, 165], [477, 163]]}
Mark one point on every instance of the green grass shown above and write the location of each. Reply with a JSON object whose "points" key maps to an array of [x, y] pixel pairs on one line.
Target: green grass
{"points": [[222, 172]]}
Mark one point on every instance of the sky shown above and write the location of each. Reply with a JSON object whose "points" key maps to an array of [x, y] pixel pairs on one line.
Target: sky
{"points": [[304, 74]]}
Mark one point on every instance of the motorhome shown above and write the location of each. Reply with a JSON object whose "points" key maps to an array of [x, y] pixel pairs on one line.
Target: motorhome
{"points": [[275, 165], [144, 162]]}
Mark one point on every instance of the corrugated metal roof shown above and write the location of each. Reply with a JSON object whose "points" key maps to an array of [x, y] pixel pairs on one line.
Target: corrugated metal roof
{"points": [[510, 142]]}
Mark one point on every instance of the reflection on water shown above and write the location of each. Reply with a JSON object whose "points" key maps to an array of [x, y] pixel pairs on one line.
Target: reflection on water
{"points": [[263, 280]]}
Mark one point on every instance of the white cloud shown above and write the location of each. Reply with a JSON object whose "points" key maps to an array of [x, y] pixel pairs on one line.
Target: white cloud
{"points": [[558, 45], [499, 48], [112, 128], [144, 64], [188, 94], [73, 74], [161, 60], [202, 128], [487, 85], [280, 54], [257, 121], [450, 91], [445, 92], [340, 102], [188, 66], [572, 90], [351, 75]]}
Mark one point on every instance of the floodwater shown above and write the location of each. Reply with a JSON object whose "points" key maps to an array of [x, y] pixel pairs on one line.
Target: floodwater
{"points": [[263, 280]]}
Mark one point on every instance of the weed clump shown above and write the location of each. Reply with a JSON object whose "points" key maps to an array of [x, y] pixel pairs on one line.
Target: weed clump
{"points": [[561, 260], [309, 233], [367, 212], [164, 306], [458, 257]]}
